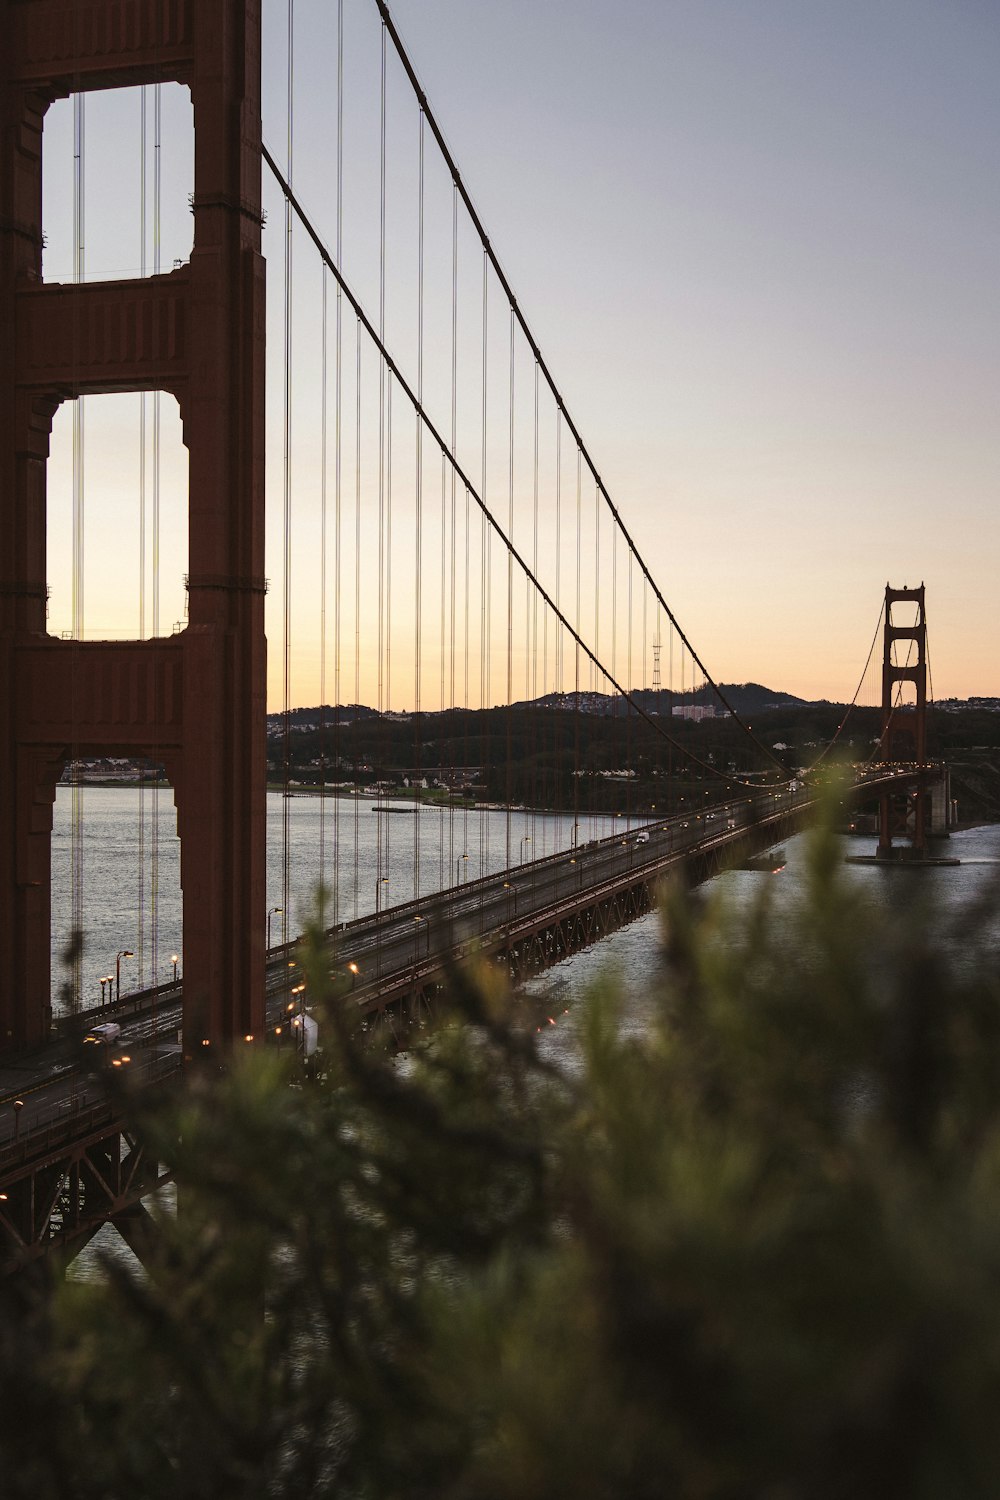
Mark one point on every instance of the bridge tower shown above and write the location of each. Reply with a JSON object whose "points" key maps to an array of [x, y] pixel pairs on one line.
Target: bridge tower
{"points": [[904, 729], [194, 701]]}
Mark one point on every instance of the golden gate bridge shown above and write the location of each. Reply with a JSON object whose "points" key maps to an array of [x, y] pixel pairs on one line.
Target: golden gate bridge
{"points": [[368, 402]]}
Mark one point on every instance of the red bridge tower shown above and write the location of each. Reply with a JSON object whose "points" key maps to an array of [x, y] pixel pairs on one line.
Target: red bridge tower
{"points": [[904, 727], [194, 701]]}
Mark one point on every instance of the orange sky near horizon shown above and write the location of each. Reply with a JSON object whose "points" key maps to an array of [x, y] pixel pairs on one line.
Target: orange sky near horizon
{"points": [[758, 249]]}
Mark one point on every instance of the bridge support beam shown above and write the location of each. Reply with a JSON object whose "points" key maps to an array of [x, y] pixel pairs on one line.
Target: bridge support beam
{"points": [[195, 701]]}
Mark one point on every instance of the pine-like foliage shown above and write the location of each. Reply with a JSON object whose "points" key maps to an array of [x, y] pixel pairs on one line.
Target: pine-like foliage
{"points": [[753, 1251]]}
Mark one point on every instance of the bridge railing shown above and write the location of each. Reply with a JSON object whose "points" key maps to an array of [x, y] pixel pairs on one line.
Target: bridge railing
{"points": [[76, 1115]]}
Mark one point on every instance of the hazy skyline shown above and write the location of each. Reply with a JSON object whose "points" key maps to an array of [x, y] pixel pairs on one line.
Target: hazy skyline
{"points": [[758, 245]]}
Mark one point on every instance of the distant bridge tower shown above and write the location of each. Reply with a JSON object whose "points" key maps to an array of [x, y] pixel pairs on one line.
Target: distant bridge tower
{"points": [[904, 727], [194, 701]]}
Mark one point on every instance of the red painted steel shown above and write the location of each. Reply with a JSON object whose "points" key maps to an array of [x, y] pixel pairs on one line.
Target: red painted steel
{"points": [[195, 701], [904, 732]]}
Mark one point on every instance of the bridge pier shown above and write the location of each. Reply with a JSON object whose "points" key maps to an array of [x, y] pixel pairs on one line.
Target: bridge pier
{"points": [[940, 811]]}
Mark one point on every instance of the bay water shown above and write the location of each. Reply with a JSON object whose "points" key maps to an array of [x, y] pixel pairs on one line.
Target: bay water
{"points": [[427, 853]]}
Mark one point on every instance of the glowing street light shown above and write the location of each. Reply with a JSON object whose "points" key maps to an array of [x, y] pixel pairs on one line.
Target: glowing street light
{"points": [[297, 1024], [175, 959], [354, 974]]}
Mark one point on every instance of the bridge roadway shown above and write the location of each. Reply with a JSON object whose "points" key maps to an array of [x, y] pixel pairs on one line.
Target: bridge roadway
{"points": [[406, 949], [70, 1160]]}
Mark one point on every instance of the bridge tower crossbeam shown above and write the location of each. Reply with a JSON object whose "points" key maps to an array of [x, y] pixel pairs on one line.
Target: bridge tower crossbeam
{"points": [[194, 701]]}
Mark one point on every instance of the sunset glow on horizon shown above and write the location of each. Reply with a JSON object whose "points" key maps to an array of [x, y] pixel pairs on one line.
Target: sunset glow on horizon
{"points": [[758, 250]]}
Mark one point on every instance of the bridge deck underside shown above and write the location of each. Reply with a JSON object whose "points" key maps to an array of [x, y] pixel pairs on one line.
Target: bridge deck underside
{"points": [[59, 1190]]}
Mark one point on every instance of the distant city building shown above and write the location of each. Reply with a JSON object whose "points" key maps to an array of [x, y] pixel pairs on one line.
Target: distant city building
{"points": [[695, 711]]}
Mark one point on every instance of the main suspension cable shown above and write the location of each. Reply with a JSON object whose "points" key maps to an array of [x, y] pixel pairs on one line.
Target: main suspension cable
{"points": [[853, 703], [477, 223], [392, 369]]}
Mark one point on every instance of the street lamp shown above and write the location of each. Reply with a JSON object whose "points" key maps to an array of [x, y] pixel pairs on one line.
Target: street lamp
{"points": [[174, 959], [379, 883], [525, 840], [354, 974], [298, 1025], [273, 912], [513, 894], [122, 953], [459, 878], [102, 981], [18, 1106], [416, 933]]}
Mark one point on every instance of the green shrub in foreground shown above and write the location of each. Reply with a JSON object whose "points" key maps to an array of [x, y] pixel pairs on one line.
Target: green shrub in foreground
{"points": [[755, 1252]]}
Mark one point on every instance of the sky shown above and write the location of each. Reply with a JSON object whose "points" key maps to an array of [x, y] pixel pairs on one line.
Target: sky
{"points": [[757, 242]]}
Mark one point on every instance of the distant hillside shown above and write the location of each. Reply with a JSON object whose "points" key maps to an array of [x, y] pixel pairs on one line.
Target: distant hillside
{"points": [[754, 698], [313, 718], [745, 697]]}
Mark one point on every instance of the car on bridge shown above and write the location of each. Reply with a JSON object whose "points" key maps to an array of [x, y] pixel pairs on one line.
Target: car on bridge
{"points": [[106, 1035], [102, 1048]]}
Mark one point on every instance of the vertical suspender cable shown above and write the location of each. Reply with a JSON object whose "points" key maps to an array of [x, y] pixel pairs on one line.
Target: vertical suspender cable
{"points": [[629, 716], [418, 519], [140, 945], [510, 602], [154, 854], [557, 629], [558, 598], [576, 651], [466, 698], [597, 584], [287, 498], [357, 601], [322, 585], [388, 593], [338, 464], [645, 610], [76, 836], [454, 515], [531, 625], [484, 595], [382, 705], [617, 735], [443, 700], [672, 795]]}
